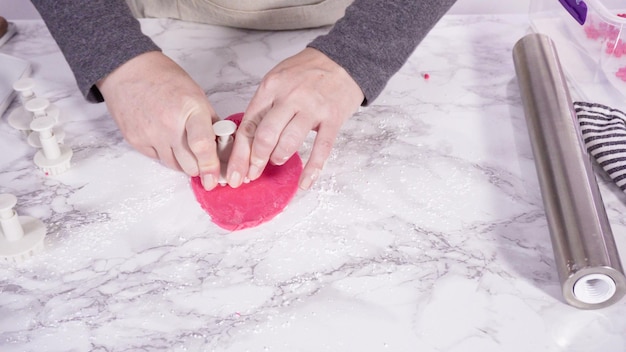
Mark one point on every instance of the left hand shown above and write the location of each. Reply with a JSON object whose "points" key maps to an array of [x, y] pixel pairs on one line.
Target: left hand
{"points": [[305, 92], [164, 114]]}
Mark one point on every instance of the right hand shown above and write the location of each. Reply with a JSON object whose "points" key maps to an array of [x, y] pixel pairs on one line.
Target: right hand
{"points": [[308, 91], [164, 114]]}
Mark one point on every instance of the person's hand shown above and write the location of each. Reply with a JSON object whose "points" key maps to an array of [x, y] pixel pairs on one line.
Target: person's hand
{"points": [[164, 114], [307, 91]]}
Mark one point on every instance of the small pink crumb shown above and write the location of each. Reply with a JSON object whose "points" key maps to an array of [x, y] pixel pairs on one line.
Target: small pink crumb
{"points": [[47, 174], [426, 76], [623, 15], [621, 73]]}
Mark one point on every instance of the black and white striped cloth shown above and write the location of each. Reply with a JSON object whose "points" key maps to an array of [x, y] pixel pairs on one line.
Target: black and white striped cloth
{"points": [[603, 131]]}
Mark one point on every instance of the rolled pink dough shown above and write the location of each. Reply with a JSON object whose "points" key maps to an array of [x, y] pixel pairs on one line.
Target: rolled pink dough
{"points": [[252, 203]]}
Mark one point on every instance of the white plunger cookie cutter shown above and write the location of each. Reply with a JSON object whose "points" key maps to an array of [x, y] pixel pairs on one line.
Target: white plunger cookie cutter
{"points": [[53, 158], [20, 236], [24, 88], [21, 117], [224, 130], [41, 107]]}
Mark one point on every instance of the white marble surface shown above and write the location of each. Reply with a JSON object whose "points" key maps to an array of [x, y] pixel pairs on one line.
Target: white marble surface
{"points": [[426, 231]]}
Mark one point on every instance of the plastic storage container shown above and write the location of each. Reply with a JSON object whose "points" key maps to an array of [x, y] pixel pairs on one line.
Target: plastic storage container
{"points": [[591, 43]]}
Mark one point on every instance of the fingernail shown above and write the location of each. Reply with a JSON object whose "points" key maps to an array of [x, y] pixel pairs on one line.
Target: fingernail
{"points": [[234, 180], [208, 182], [306, 182], [254, 172], [256, 168], [282, 161]]}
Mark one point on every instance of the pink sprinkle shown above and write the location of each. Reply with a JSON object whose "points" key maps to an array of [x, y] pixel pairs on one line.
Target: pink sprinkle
{"points": [[426, 76]]}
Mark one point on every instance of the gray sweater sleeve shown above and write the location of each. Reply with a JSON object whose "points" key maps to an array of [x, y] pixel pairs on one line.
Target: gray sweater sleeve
{"points": [[95, 36], [376, 37], [372, 41]]}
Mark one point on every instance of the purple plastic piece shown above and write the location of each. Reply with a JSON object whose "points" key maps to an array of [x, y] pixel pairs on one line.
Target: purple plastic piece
{"points": [[576, 8]]}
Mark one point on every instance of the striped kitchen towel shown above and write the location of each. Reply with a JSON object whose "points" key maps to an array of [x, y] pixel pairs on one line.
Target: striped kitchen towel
{"points": [[603, 131]]}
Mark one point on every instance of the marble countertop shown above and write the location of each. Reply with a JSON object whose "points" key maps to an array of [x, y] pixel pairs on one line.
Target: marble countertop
{"points": [[425, 232]]}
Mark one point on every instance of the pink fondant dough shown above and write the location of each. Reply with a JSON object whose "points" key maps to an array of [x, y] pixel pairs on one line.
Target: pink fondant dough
{"points": [[252, 203]]}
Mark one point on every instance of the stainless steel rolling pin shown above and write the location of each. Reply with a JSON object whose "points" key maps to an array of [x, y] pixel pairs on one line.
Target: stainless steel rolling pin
{"points": [[586, 256]]}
